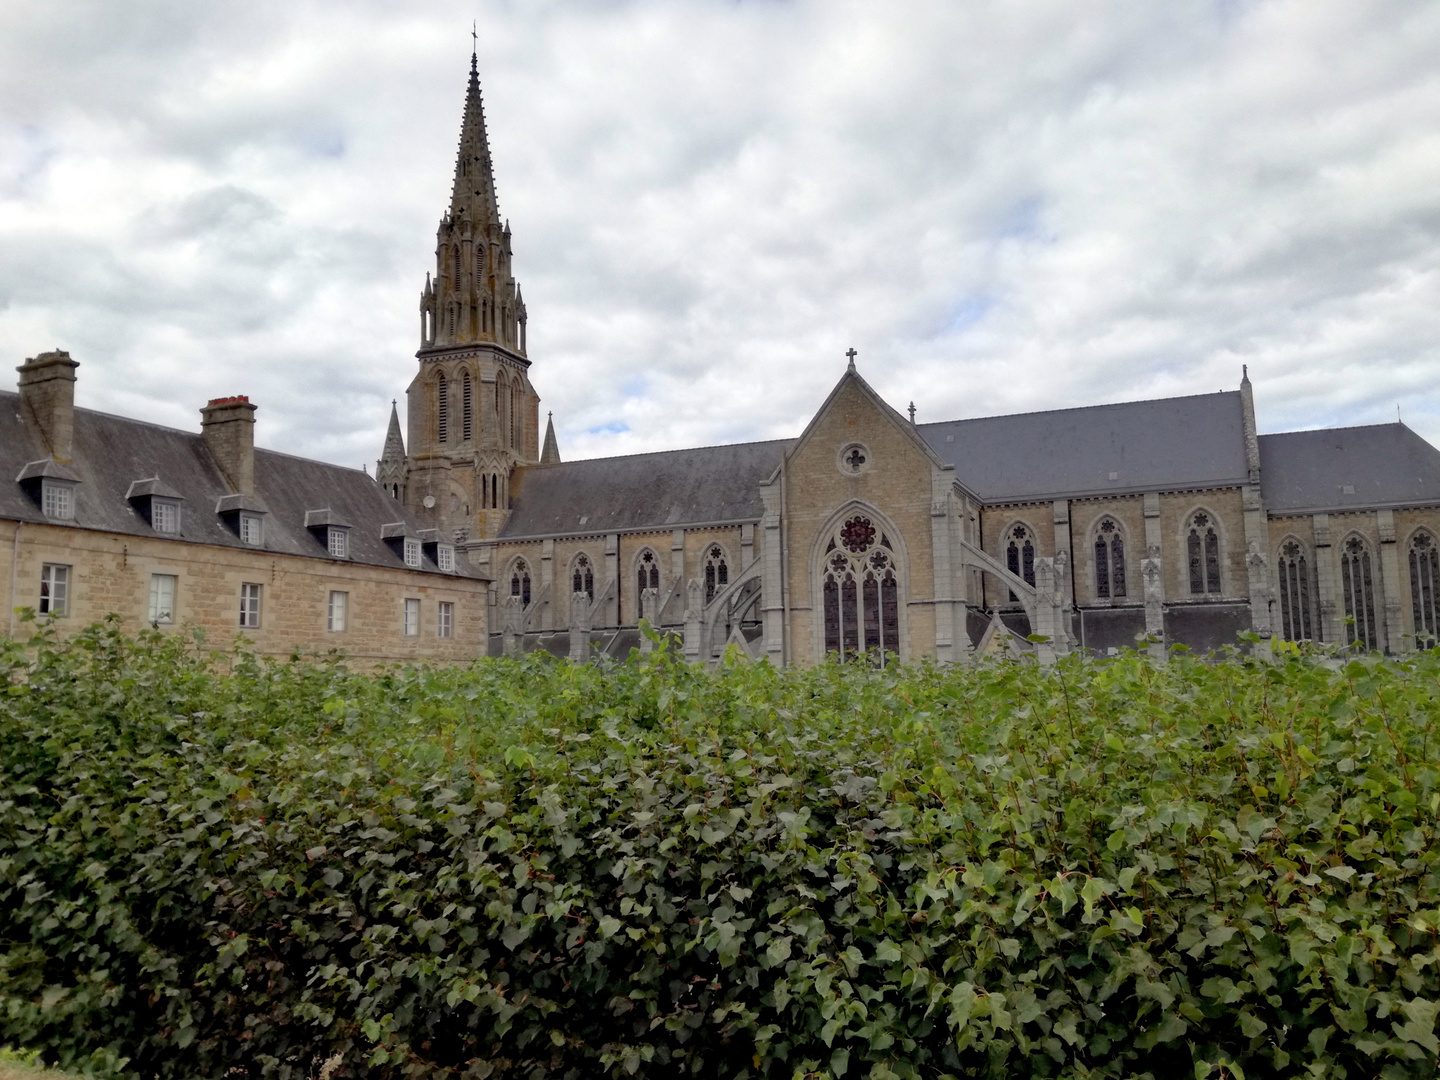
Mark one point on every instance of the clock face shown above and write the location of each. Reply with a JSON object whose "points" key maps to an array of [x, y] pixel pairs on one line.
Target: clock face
{"points": [[429, 502]]}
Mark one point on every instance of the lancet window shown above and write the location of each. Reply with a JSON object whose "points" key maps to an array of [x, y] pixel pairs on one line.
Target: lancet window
{"points": [[520, 581], [1424, 602], [647, 571], [582, 578], [442, 403], [466, 409], [717, 573], [1020, 555], [1294, 571], [1202, 548], [1109, 561], [861, 593], [1358, 586]]}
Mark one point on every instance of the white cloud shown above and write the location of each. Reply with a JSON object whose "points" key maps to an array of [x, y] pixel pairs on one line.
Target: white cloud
{"points": [[1003, 207]]}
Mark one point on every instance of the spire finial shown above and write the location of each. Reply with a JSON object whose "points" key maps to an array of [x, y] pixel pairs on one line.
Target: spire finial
{"points": [[474, 46], [851, 354], [912, 412]]}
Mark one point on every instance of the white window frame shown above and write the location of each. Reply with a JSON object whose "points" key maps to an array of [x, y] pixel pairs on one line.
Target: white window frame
{"points": [[445, 557], [337, 611], [57, 500], [337, 542], [252, 529], [162, 606], [410, 624], [445, 624], [164, 515], [250, 598], [412, 551], [55, 590]]}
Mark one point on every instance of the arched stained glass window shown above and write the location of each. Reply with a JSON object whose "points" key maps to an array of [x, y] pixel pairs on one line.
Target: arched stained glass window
{"points": [[1202, 549], [582, 578], [1294, 571], [717, 573], [466, 409], [860, 593], [1020, 555], [520, 581], [1424, 601], [1359, 588], [647, 571], [442, 402], [1109, 561]]}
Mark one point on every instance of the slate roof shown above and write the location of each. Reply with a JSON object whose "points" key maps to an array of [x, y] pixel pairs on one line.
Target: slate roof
{"points": [[1337, 469], [640, 491], [1169, 444], [112, 453]]}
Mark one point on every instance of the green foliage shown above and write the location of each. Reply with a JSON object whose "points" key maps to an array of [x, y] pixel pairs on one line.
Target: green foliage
{"points": [[529, 869]]}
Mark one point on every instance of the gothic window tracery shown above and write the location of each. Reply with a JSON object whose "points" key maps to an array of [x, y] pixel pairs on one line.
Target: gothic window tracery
{"points": [[861, 593], [520, 581], [466, 409], [1294, 570], [1109, 560], [1202, 549], [1020, 555], [647, 571], [1358, 586], [1424, 601], [582, 578], [442, 402], [717, 572]]}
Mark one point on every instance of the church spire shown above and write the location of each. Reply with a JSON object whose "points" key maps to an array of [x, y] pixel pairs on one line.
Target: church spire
{"points": [[551, 454], [390, 469], [473, 195]]}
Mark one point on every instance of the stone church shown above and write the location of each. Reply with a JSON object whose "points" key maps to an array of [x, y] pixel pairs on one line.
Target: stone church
{"points": [[868, 535]]}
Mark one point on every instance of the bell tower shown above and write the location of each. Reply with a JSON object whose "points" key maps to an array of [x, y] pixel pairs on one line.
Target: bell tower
{"points": [[473, 415]]}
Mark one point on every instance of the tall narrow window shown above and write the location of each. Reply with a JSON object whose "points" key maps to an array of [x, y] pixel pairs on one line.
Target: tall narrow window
{"points": [[466, 426], [1359, 589], [717, 573], [516, 415], [442, 403], [1109, 561], [647, 572], [1294, 571], [520, 582], [54, 590], [582, 579], [336, 612], [249, 606], [412, 551], [1424, 571], [1020, 556], [445, 619], [860, 594], [162, 599], [456, 250], [1202, 549], [410, 625]]}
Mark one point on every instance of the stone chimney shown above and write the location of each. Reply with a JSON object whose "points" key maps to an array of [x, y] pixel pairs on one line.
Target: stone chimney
{"points": [[47, 401], [228, 425]]}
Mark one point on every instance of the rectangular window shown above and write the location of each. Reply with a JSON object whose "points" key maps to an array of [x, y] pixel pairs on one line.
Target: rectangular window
{"points": [[445, 557], [162, 599], [251, 530], [340, 543], [412, 552], [338, 603], [57, 500], [54, 590], [164, 516], [412, 618], [446, 626], [249, 606]]}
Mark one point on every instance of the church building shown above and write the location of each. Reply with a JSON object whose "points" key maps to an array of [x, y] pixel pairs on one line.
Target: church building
{"points": [[1160, 522]]}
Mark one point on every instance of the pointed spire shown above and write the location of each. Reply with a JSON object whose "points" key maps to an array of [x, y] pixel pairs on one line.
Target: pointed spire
{"points": [[551, 454], [473, 196], [394, 443]]}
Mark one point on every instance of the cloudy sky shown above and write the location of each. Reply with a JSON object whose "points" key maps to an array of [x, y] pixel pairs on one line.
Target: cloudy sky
{"points": [[1001, 206]]}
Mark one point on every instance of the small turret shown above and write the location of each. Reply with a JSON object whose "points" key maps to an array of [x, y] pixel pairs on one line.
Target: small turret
{"points": [[551, 454], [390, 469]]}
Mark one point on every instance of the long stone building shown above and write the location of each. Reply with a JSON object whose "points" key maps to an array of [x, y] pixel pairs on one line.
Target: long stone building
{"points": [[1167, 521]]}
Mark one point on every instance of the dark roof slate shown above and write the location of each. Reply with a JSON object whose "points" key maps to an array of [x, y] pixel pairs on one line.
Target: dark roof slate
{"points": [[1167, 444], [642, 491], [112, 452], [1337, 469]]}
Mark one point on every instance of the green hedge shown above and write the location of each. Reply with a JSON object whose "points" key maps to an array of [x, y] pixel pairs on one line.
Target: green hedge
{"points": [[529, 869]]}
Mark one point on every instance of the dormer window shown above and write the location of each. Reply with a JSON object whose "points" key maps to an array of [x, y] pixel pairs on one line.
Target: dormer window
{"points": [[412, 551], [339, 542], [252, 528], [57, 499], [445, 557], [165, 515], [332, 531]]}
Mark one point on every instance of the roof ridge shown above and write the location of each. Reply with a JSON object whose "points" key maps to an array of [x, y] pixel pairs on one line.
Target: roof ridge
{"points": [[658, 453], [1080, 408], [1347, 427]]}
